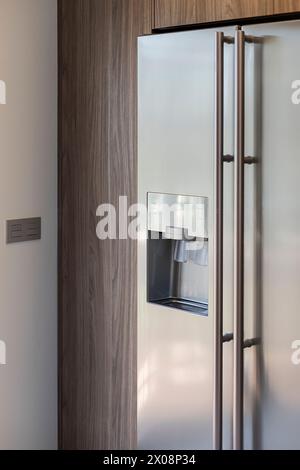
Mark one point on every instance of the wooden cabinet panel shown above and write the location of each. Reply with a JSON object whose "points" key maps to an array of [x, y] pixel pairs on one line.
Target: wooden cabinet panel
{"points": [[183, 12], [286, 6], [232, 9], [170, 13], [97, 163]]}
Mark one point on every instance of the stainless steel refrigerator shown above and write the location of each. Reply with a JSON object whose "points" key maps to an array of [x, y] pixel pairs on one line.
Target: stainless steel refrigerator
{"points": [[219, 328]]}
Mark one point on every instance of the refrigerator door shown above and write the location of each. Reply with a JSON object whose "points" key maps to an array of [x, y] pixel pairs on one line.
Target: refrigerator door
{"points": [[272, 237], [176, 74]]}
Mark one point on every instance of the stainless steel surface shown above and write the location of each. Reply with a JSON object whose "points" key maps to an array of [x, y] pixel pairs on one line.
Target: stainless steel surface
{"points": [[238, 365], [272, 295], [176, 155], [175, 349]]}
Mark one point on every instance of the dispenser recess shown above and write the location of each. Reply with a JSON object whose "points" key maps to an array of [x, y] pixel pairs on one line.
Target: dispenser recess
{"points": [[177, 252]]}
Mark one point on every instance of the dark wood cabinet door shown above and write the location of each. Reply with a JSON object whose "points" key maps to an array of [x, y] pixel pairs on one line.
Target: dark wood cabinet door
{"points": [[97, 163], [183, 12], [286, 6], [232, 9], [171, 13]]}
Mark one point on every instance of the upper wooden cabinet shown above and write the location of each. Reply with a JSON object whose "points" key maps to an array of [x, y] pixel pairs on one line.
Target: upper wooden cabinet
{"points": [[286, 6], [170, 13], [184, 12], [231, 9]]}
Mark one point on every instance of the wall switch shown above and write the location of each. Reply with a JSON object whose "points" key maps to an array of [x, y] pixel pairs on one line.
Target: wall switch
{"points": [[23, 230], [2, 92], [2, 353]]}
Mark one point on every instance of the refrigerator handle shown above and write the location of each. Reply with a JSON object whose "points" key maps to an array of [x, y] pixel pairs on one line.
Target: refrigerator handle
{"points": [[238, 334], [221, 39]]}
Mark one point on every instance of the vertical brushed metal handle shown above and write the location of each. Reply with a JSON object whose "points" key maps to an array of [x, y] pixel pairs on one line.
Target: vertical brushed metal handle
{"points": [[218, 320], [238, 340], [218, 298]]}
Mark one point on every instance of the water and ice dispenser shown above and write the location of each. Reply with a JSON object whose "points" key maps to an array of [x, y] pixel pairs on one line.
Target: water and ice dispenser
{"points": [[177, 260]]}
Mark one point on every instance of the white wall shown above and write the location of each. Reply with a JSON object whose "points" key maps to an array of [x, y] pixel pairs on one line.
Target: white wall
{"points": [[28, 188]]}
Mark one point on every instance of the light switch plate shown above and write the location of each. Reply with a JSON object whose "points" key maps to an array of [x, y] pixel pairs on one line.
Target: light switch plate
{"points": [[23, 230], [2, 353], [2, 92]]}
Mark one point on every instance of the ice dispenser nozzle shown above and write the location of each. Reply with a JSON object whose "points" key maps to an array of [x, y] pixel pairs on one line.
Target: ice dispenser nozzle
{"points": [[194, 251]]}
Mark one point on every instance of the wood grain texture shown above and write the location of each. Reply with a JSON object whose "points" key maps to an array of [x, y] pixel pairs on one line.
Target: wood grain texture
{"points": [[183, 12], [170, 13], [286, 6], [232, 9], [97, 163]]}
